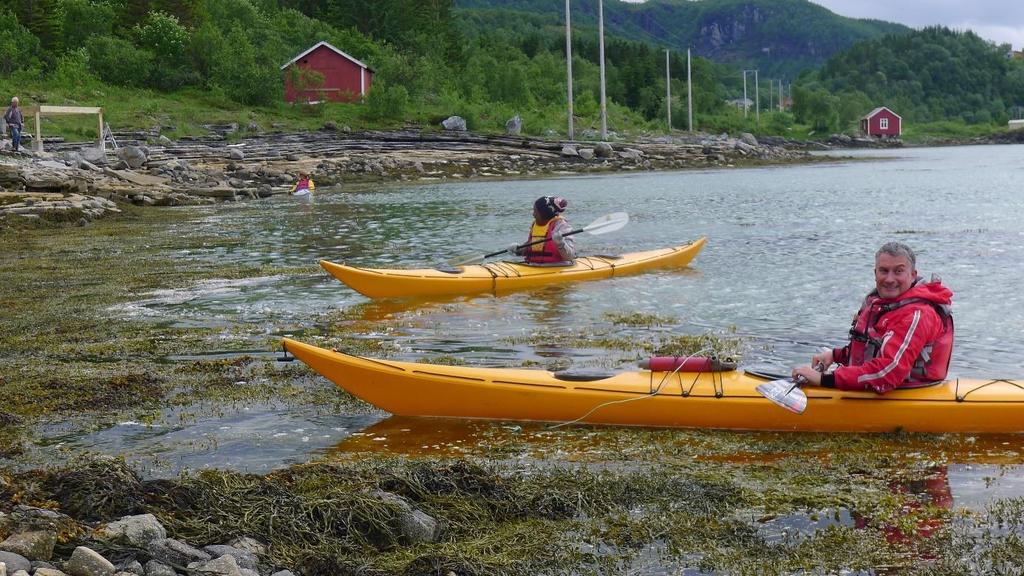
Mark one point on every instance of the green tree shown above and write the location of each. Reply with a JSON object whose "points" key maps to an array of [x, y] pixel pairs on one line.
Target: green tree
{"points": [[85, 18], [18, 46], [162, 35]]}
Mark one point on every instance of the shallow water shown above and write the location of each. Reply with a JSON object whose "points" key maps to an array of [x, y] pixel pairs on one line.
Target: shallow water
{"points": [[789, 257]]}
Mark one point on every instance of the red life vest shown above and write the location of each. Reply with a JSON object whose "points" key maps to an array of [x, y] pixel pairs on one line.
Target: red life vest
{"points": [[866, 340], [546, 253]]}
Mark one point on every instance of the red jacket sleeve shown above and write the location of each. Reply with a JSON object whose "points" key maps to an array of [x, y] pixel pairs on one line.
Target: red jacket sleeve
{"points": [[906, 334]]}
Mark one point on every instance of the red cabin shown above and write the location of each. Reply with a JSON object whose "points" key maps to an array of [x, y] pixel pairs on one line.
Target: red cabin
{"points": [[882, 123], [340, 77]]}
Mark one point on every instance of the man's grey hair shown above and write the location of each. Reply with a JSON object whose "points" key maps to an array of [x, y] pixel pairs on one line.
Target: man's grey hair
{"points": [[14, 100], [898, 249]]}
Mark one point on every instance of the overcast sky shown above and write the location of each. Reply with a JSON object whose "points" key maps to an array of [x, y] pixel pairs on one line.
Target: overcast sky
{"points": [[1001, 21]]}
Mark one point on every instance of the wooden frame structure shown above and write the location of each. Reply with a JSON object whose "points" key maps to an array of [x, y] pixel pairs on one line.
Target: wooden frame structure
{"points": [[38, 111]]}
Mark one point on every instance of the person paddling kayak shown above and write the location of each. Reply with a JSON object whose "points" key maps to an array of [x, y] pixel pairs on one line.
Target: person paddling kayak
{"points": [[304, 187], [902, 337], [548, 225]]}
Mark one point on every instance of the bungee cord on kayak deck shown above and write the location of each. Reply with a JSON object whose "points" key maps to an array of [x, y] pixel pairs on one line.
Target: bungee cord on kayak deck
{"points": [[654, 390], [962, 397]]}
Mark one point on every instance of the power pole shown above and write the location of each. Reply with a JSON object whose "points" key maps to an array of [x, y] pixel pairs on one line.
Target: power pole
{"points": [[568, 67], [757, 100], [668, 93], [771, 94], [604, 102], [689, 93], [744, 93]]}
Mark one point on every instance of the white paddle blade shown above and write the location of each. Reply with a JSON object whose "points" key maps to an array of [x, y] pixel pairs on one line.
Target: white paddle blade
{"points": [[784, 393], [608, 223]]}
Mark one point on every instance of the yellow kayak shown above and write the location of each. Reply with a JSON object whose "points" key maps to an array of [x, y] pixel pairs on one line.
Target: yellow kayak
{"points": [[499, 277], [725, 399]]}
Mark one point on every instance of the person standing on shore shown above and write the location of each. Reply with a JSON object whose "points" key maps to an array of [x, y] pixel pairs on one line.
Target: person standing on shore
{"points": [[14, 119]]}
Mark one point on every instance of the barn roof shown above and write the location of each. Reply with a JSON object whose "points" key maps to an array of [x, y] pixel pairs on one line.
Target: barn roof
{"points": [[877, 110], [327, 44]]}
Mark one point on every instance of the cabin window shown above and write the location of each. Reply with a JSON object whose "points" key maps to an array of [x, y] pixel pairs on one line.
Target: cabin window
{"points": [[883, 123]]}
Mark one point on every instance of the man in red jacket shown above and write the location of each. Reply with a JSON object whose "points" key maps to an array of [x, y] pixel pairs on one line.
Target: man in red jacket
{"points": [[902, 337]]}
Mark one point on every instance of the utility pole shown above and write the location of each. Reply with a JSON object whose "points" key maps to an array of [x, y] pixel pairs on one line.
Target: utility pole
{"points": [[780, 94], [771, 94], [744, 93], [745, 106], [689, 93], [668, 93], [757, 100], [568, 67], [604, 102]]}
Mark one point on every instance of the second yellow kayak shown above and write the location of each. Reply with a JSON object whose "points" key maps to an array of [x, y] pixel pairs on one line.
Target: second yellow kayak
{"points": [[498, 277]]}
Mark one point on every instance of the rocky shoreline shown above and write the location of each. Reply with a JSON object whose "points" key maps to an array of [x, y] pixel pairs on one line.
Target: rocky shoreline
{"points": [[76, 183]]}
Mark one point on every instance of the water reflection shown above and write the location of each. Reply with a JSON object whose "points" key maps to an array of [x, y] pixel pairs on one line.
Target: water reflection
{"points": [[969, 471]]}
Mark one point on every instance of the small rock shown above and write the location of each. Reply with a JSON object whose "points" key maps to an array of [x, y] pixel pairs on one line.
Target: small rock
{"points": [[248, 544], [35, 545], [48, 572], [165, 141], [139, 530], [157, 568], [132, 567], [134, 156], [223, 566], [176, 553], [454, 124], [15, 562], [236, 154], [603, 150], [87, 562], [243, 558]]}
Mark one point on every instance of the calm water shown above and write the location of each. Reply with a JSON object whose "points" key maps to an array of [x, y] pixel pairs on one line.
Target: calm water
{"points": [[788, 259]]}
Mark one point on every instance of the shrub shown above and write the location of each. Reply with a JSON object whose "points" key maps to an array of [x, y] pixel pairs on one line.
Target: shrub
{"points": [[118, 61], [72, 70], [386, 102]]}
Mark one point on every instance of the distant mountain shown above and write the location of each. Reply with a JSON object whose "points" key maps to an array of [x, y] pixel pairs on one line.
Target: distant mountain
{"points": [[778, 37]]}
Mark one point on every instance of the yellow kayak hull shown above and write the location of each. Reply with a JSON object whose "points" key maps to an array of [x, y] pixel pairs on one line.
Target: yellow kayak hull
{"points": [[499, 277], [724, 400]]}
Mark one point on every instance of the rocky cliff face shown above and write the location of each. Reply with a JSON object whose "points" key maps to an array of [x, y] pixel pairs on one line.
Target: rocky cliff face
{"points": [[779, 37]]}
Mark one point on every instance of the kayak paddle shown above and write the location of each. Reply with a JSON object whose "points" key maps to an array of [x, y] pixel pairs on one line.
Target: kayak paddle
{"points": [[786, 392], [603, 225]]}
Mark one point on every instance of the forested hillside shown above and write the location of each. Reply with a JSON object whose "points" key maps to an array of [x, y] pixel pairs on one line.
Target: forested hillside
{"points": [[429, 62], [188, 62], [925, 76], [779, 37]]}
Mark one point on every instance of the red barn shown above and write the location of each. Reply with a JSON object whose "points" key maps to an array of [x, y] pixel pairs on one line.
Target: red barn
{"points": [[882, 122], [345, 79]]}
